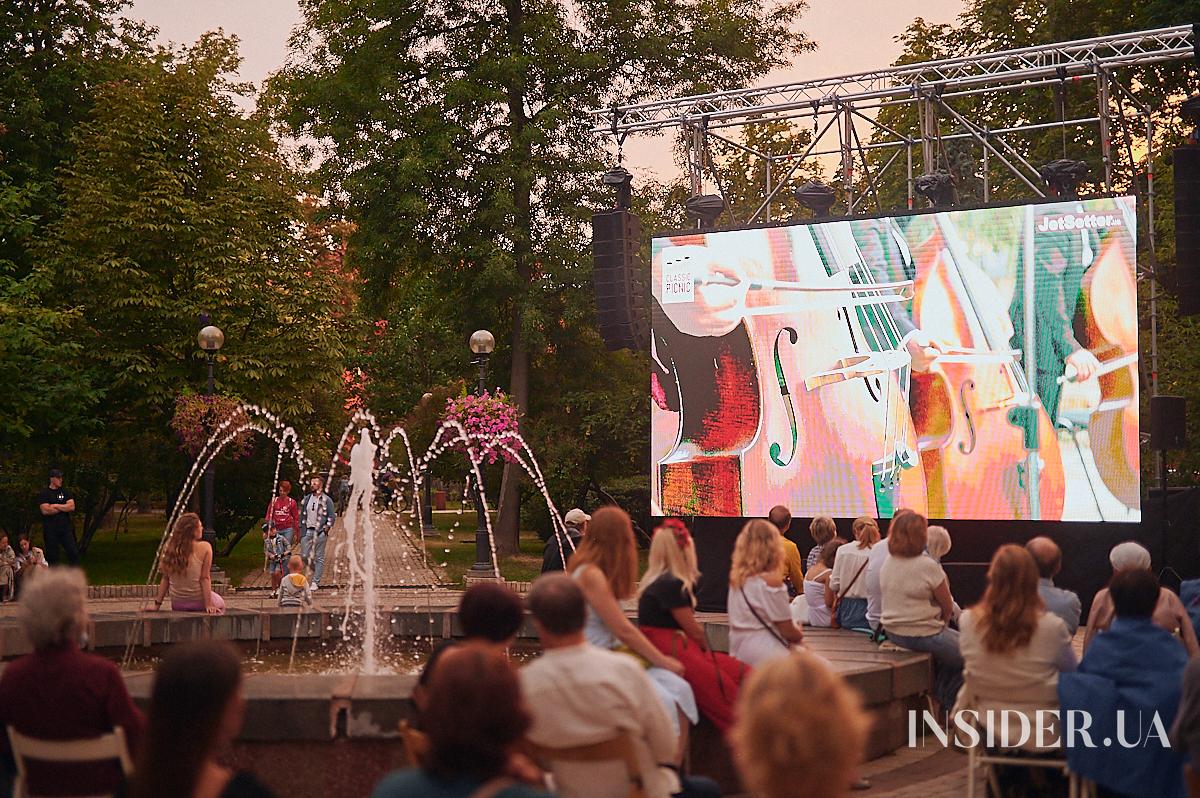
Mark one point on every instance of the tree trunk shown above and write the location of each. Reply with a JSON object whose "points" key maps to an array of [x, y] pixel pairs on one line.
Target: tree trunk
{"points": [[508, 524]]}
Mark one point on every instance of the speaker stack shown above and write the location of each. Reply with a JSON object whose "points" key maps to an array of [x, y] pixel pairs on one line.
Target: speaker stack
{"points": [[619, 274], [1187, 228]]}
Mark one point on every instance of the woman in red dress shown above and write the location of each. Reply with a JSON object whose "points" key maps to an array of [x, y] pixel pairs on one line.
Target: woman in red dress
{"points": [[667, 617]]}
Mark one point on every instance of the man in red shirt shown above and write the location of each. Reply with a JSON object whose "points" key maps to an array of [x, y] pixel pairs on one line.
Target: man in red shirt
{"points": [[284, 514], [60, 693]]}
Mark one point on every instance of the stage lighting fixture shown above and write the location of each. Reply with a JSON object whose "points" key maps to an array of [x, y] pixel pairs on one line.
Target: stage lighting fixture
{"points": [[1064, 176], [937, 188], [817, 197], [621, 180], [705, 208]]}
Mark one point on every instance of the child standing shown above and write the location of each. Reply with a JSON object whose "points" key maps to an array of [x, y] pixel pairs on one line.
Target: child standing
{"points": [[276, 548], [293, 590]]}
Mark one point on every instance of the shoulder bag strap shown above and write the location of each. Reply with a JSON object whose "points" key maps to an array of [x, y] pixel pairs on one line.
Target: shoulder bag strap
{"points": [[857, 574], [768, 626]]}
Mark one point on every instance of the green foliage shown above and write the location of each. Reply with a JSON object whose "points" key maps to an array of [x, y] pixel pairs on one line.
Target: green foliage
{"points": [[178, 206], [453, 135]]}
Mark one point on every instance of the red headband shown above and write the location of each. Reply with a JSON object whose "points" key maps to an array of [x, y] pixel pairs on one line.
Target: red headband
{"points": [[679, 530]]}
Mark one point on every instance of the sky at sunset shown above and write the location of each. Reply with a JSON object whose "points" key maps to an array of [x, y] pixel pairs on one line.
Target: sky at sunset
{"points": [[853, 35]]}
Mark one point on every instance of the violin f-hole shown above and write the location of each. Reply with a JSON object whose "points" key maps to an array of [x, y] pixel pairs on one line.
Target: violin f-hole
{"points": [[967, 385], [786, 395]]}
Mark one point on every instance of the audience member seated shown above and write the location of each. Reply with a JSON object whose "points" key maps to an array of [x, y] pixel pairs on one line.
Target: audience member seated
{"points": [[878, 553], [847, 584], [490, 616], [30, 561], [605, 566], [760, 618], [1185, 734], [185, 565], [817, 600], [582, 695], [801, 730], [1063, 603], [822, 529], [793, 564], [196, 712], [1169, 612], [560, 546], [60, 693], [475, 724], [293, 590], [937, 546], [1133, 668], [667, 616], [1013, 650], [917, 606], [8, 569]]}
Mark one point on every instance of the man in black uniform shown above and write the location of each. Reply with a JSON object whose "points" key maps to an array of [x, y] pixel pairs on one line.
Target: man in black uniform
{"points": [[56, 506]]}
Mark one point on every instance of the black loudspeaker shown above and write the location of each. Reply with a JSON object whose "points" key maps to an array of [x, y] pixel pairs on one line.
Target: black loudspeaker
{"points": [[1187, 229], [620, 278], [1168, 423]]}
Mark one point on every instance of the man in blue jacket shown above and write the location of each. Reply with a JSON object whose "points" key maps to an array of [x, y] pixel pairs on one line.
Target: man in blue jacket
{"points": [[1129, 685], [317, 515]]}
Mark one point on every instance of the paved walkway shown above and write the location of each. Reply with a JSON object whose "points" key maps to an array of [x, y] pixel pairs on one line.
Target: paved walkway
{"points": [[398, 557]]}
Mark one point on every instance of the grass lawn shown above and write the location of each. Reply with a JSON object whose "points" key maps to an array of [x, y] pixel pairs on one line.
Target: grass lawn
{"points": [[452, 549], [125, 559]]}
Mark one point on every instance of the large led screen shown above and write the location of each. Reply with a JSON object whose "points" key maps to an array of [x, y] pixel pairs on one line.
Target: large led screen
{"points": [[970, 364]]}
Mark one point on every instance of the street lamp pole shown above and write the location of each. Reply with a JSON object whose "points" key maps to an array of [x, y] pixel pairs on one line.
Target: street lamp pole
{"points": [[427, 502], [482, 345], [210, 339]]}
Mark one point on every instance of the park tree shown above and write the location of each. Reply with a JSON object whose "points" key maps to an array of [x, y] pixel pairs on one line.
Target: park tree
{"points": [[176, 208], [453, 135]]}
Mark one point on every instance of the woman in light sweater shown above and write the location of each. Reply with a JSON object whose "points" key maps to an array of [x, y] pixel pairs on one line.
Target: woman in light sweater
{"points": [[848, 582], [1013, 649], [917, 603], [760, 618]]}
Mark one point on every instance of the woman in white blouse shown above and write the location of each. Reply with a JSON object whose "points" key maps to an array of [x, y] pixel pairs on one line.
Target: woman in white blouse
{"points": [[1013, 649], [848, 582], [760, 619]]}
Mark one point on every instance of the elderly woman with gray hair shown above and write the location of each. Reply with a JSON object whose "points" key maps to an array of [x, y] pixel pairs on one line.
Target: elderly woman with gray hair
{"points": [[1169, 613], [60, 693]]}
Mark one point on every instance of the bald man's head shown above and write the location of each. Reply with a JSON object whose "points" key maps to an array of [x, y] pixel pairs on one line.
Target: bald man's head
{"points": [[1047, 555], [781, 517]]}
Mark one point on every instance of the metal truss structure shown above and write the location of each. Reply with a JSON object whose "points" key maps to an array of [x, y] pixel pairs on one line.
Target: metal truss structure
{"points": [[842, 104]]}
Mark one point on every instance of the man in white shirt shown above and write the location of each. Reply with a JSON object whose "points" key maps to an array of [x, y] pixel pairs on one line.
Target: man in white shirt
{"points": [[579, 694]]}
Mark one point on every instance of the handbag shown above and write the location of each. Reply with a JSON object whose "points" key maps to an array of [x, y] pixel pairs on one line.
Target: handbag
{"points": [[833, 611], [769, 627]]}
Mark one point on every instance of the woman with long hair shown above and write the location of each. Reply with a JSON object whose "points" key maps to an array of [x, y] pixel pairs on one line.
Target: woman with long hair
{"points": [[196, 711], [817, 598], [667, 616], [1013, 649], [760, 617], [917, 605], [605, 567], [185, 565], [848, 582]]}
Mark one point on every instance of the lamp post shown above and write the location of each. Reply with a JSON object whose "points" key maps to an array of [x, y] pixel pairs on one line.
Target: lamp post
{"points": [[427, 501], [210, 339], [482, 345]]}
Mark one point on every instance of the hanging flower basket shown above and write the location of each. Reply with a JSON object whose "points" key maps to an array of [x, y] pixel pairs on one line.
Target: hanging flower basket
{"points": [[197, 416], [485, 418]]}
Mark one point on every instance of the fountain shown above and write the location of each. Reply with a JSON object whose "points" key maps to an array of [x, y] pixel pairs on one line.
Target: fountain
{"points": [[370, 452]]}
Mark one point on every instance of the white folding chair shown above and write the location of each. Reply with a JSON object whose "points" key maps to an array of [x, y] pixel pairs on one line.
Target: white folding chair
{"points": [[105, 748], [979, 757]]}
